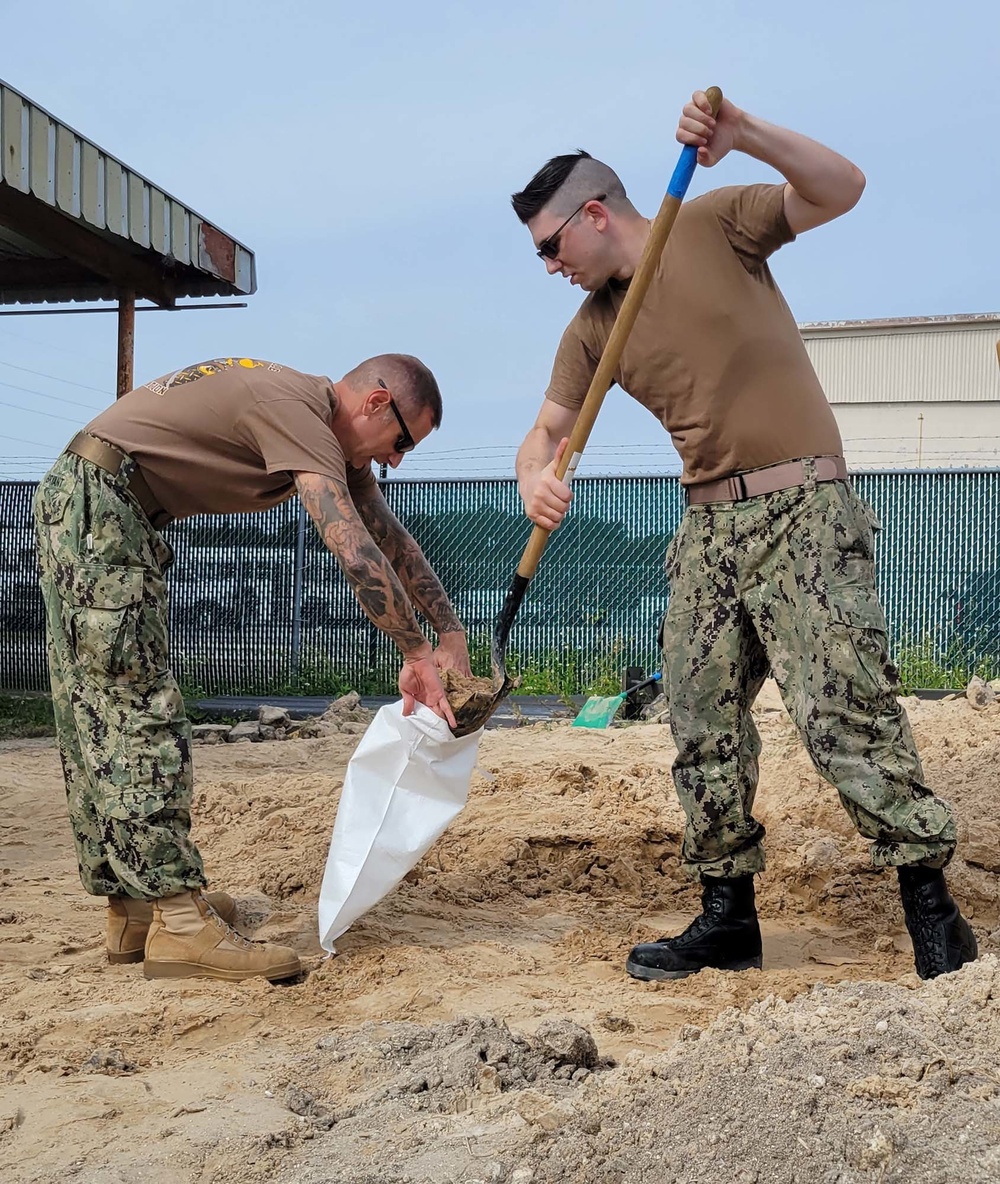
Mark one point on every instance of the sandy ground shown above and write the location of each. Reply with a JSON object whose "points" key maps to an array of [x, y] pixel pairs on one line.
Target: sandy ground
{"points": [[478, 1026]]}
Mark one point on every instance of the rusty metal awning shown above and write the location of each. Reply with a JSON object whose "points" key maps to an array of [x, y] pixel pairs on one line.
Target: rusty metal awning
{"points": [[77, 224]]}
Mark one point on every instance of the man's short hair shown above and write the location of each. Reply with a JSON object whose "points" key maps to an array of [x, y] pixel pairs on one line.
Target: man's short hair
{"points": [[566, 182], [412, 384]]}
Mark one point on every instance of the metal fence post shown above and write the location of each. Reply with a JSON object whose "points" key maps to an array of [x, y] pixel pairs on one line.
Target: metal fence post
{"points": [[298, 575]]}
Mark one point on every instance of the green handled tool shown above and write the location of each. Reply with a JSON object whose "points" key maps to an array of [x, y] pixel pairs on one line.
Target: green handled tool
{"points": [[600, 710]]}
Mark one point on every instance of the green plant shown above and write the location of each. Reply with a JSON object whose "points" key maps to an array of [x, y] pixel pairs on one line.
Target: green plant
{"points": [[191, 692], [563, 672], [323, 679], [925, 666], [26, 715]]}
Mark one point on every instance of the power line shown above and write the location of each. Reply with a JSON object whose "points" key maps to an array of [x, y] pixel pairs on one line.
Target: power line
{"points": [[49, 345], [56, 378], [32, 411], [58, 398], [18, 440]]}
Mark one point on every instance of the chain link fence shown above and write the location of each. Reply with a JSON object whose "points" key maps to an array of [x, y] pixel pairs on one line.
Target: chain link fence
{"points": [[259, 606]]}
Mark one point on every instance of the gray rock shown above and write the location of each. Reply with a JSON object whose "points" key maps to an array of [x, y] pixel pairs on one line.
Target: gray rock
{"points": [[273, 717], [209, 733], [248, 730], [346, 702], [656, 709], [111, 1061], [302, 1103], [567, 1043]]}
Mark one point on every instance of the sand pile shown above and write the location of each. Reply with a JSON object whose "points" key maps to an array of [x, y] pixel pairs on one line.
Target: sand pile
{"points": [[858, 1081], [477, 1025], [850, 1082]]}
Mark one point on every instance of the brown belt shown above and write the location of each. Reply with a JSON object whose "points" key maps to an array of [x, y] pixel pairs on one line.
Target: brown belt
{"points": [[755, 482], [110, 459]]}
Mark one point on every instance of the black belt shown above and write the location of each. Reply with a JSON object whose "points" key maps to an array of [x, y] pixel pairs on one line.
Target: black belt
{"points": [[110, 458]]}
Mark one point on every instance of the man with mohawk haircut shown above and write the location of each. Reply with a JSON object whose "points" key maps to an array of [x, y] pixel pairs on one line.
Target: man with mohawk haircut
{"points": [[771, 570]]}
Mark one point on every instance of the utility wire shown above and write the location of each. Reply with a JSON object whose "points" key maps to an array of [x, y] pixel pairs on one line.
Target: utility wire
{"points": [[32, 411], [56, 378], [58, 398], [18, 440], [49, 345]]}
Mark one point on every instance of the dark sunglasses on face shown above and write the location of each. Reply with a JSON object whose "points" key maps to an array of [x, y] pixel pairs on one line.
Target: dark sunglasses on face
{"points": [[405, 443], [548, 248]]}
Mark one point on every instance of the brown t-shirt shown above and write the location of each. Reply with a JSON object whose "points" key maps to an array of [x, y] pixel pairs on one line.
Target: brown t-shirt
{"points": [[715, 353], [225, 436]]}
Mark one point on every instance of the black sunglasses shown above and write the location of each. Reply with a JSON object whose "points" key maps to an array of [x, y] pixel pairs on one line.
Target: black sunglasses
{"points": [[405, 443], [548, 248]]}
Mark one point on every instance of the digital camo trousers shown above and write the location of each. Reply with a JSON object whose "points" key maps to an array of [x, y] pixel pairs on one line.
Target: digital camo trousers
{"points": [[784, 584], [123, 736]]}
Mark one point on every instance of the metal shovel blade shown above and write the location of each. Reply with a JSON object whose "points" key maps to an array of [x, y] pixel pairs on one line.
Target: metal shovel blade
{"points": [[477, 711]]}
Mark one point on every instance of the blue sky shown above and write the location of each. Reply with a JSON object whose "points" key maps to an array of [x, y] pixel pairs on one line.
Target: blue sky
{"points": [[366, 155]]}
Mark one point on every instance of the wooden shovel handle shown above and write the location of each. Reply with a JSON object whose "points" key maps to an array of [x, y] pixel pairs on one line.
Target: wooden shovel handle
{"points": [[605, 372]]}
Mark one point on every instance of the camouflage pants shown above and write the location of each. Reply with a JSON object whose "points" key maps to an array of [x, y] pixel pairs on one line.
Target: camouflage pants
{"points": [[124, 739], [784, 584]]}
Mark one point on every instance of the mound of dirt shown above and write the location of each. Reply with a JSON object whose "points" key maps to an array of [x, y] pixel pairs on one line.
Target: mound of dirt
{"points": [[848, 1083], [477, 1024], [853, 1082]]}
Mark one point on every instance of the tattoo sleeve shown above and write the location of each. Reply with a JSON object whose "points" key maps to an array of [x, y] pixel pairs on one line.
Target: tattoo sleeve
{"points": [[377, 587], [402, 551]]}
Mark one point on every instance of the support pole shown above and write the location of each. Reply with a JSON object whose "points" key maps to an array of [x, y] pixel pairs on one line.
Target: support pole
{"points": [[298, 575], [126, 342]]}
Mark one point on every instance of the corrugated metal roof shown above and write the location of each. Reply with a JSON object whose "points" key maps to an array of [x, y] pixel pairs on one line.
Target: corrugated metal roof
{"points": [[55, 183], [899, 324], [916, 362]]}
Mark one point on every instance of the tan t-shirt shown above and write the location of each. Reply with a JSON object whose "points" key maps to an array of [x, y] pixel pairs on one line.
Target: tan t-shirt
{"points": [[225, 436], [715, 353]]}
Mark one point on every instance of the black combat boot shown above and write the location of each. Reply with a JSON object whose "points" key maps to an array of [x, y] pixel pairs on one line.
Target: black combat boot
{"points": [[942, 938], [725, 936]]}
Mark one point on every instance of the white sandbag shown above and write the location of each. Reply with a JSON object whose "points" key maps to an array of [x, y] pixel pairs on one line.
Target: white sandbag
{"points": [[408, 778]]}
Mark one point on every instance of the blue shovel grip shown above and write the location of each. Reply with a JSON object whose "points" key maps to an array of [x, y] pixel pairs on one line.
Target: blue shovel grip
{"points": [[683, 172]]}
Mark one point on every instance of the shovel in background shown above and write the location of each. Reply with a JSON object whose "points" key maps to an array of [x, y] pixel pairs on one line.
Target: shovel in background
{"points": [[600, 710], [479, 710]]}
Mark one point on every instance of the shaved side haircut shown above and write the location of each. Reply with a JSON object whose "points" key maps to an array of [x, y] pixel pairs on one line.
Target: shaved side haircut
{"points": [[410, 381], [564, 183]]}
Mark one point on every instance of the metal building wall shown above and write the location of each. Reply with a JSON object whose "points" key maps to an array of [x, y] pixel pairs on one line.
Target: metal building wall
{"points": [[940, 364]]}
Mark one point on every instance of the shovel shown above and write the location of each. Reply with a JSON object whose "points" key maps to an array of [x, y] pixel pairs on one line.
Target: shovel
{"points": [[600, 710], [479, 710]]}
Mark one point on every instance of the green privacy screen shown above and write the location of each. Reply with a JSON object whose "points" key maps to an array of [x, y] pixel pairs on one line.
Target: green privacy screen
{"points": [[258, 606]]}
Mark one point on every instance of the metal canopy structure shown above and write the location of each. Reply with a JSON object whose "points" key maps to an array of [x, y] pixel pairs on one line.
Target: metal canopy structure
{"points": [[77, 224]]}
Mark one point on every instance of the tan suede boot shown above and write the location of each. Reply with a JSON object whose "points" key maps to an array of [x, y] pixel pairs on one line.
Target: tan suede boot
{"points": [[187, 939], [129, 920]]}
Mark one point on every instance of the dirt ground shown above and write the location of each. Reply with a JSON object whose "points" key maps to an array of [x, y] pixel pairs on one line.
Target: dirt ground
{"points": [[477, 1025]]}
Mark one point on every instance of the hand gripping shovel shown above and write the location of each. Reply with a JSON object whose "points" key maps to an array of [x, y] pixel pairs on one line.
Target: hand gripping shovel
{"points": [[479, 711]]}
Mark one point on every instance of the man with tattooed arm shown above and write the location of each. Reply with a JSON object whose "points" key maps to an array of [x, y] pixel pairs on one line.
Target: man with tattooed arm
{"points": [[228, 436]]}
